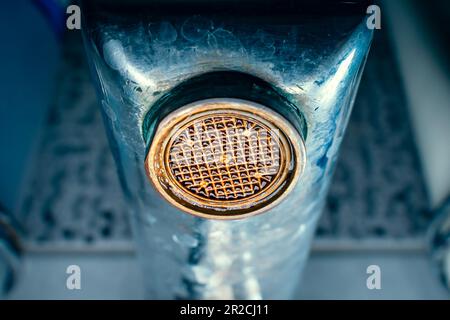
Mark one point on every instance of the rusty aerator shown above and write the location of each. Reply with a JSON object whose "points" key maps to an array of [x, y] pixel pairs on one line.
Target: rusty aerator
{"points": [[225, 158]]}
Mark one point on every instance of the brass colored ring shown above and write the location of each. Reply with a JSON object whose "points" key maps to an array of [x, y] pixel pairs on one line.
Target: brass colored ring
{"points": [[225, 158]]}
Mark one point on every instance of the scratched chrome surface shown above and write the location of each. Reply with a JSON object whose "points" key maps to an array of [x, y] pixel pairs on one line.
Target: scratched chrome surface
{"points": [[317, 64]]}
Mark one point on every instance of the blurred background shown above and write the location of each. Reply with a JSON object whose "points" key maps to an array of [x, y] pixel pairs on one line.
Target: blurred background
{"points": [[60, 196]]}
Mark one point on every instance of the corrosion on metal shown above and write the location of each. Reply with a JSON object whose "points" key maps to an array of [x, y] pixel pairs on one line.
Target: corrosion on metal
{"points": [[225, 158]]}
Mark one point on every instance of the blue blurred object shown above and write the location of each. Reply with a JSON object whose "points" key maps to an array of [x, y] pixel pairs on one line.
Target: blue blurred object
{"points": [[28, 60], [55, 14]]}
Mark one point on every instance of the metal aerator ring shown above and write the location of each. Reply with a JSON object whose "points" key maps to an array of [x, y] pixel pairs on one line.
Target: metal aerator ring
{"points": [[225, 158]]}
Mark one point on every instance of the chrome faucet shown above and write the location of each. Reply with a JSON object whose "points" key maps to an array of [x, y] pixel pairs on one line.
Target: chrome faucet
{"points": [[225, 119]]}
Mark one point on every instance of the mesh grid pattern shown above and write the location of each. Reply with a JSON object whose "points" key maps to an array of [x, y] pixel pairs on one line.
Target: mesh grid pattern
{"points": [[224, 157]]}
